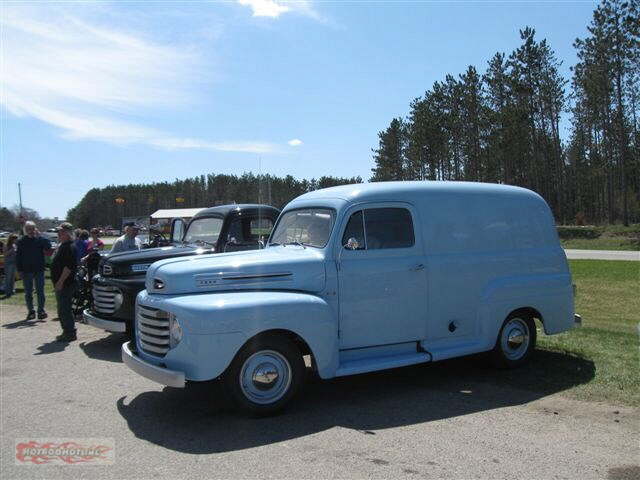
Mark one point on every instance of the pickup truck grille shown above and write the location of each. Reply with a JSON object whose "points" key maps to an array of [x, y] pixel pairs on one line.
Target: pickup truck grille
{"points": [[104, 298], [153, 330]]}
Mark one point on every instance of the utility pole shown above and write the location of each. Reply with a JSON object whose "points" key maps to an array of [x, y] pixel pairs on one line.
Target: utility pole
{"points": [[20, 196], [259, 179]]}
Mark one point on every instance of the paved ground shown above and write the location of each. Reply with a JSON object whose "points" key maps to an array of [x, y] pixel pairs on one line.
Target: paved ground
{"points": [[432, 421], [603, 254]]}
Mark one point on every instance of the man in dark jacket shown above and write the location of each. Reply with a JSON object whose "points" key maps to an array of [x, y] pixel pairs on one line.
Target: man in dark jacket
{"points": [[63, 273], [30, 264]]}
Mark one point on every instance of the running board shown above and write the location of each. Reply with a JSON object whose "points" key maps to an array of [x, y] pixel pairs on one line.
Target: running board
{"points": [[365, 365]]}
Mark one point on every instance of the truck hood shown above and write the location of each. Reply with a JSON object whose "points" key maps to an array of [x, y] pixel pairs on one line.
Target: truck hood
{"points": [[275, 268], [138, 261]]}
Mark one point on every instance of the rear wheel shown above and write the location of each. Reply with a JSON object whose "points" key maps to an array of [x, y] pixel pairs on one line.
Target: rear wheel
{"points": [[265, 375], [516, 341]]}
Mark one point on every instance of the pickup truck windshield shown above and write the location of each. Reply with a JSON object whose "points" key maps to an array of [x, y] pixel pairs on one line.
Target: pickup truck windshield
{"points": [[306, 226], [204, 230]]}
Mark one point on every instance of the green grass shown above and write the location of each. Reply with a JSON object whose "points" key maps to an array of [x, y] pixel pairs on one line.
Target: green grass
{"points": [[607, 237], [604, 242], [18, 296], [609, 302]]}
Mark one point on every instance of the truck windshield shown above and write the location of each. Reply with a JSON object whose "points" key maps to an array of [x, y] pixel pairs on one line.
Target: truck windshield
{"points": [[204, 231], [306, 226]]}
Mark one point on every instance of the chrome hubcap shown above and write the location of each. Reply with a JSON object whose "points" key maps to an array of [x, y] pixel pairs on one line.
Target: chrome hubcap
{"points": [[515, 339], [265, 377]]}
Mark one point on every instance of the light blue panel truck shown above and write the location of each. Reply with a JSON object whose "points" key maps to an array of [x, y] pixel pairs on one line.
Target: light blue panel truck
{"points": [[359, 278]]}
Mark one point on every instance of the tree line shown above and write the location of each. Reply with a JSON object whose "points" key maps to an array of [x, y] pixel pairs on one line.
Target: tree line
{"points": [[106, 206], [501, 126], [504, 125]]}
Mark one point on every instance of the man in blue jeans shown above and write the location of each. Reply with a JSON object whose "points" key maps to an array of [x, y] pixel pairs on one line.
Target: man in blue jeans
{"points": [[63, 273], [30, 264]]}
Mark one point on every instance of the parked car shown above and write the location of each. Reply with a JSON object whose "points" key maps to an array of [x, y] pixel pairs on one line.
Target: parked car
{"points": [[361, 278], [121, 276]]}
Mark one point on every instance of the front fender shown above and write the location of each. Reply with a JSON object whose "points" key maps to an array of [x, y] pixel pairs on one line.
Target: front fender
{"points": [[239, 316]]}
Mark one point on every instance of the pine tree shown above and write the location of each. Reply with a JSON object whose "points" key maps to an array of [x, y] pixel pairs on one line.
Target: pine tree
{"points": [[390, 155]]}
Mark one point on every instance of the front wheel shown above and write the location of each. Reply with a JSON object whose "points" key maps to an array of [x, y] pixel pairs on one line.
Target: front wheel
{"points": [[516, 341], [265, 375]]}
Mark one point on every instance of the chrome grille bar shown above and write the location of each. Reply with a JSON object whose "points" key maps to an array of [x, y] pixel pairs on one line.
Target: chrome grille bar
{"points": [[153, 330], [104, 298]]}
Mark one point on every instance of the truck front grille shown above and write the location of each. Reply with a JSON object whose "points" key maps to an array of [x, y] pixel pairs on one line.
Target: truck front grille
{"points": [[104, 298], [153, 330]]}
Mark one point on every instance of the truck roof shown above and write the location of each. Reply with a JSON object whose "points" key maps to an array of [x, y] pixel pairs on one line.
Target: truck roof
{"points": [[224, 210], [384, 191]]}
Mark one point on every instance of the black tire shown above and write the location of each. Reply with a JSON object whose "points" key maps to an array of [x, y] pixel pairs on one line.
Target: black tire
{"points": [[512, 354], [267, 355]]}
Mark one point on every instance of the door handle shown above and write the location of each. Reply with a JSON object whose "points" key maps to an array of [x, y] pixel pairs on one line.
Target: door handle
{"points": [[417, 268]]}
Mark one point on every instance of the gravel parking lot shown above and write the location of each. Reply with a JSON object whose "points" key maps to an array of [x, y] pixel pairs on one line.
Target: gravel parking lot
{"points": [[432, 421]]}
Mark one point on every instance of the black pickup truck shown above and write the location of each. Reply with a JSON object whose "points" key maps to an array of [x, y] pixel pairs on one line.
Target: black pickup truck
{"points": [[121, 276]]}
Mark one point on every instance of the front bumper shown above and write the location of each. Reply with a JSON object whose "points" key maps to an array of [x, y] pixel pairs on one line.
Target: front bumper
{"points": [[103, 324], [171, 378]]}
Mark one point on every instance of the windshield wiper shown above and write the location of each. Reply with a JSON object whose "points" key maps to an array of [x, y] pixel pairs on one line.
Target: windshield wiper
{"points": [[299, 244], [197, 242]]}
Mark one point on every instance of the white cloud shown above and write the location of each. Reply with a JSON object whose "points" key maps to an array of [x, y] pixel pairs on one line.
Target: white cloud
{"points": [[88, 79], [275, 8], [296, 142], [265, 8]]}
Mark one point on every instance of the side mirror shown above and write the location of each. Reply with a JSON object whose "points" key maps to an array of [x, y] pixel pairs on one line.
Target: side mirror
{"points": [[352, 244]]}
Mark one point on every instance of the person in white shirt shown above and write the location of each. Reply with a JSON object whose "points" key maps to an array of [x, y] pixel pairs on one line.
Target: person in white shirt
{"points": [[129, 241]]}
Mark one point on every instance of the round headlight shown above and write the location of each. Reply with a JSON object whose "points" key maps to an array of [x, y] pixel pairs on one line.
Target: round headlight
{"points": [[117, 300], [175, 331]]}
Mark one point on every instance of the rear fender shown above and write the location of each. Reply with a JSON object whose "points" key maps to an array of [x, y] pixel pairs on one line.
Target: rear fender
{"points": [[550, 295]]}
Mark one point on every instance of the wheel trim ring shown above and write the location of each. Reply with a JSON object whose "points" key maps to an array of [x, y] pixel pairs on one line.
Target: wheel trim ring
{"points": [[281, 384], [515, 339]]}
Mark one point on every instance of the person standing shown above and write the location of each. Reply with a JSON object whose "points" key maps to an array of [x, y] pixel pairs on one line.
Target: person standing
{"points": [[91, 260], [129, 241], [10, 265], [94, 241], [63, 276], [31, 249], [80, 243]]}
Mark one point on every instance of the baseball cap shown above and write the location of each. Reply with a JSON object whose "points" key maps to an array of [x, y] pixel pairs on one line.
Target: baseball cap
{"points": [[65, 226], [133, 225]]}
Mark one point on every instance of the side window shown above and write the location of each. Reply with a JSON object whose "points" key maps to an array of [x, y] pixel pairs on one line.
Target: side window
{"points": [[388, 228], [249, 230], [235, 231], [355, 229], [261, 228], [177, 230]]}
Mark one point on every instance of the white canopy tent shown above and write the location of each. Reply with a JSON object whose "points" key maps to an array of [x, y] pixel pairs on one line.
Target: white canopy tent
{"points": [[175, 213]]}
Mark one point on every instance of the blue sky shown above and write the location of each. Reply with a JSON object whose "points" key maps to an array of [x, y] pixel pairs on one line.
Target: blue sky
{"points": [[99, 93]]}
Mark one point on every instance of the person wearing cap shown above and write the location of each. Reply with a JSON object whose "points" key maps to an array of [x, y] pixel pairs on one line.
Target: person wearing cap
{"points": [[63, 276], [129, 241], [30, 252]]}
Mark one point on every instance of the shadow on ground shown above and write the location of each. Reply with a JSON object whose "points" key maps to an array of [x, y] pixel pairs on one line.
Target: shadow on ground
{"points": [[23, 324], [53, 346], [106, 348], [198, 420]]}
